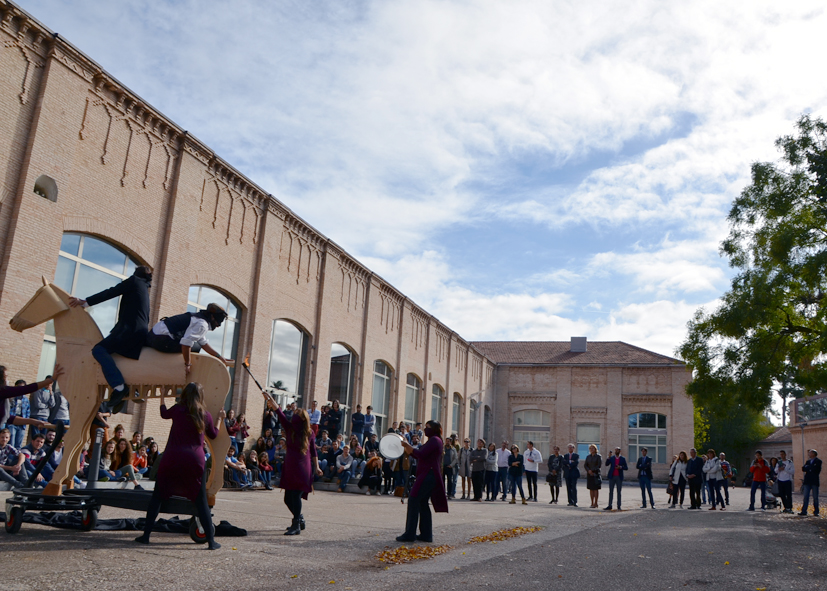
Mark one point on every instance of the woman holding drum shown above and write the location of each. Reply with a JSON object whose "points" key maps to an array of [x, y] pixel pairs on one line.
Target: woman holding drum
{"points": [[429, 485]]}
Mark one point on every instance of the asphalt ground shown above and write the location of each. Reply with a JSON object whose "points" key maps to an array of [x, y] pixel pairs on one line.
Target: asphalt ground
{"points": [[578, 549]]}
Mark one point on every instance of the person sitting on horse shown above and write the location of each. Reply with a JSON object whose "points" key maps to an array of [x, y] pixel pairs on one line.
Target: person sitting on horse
{"points": [[187, 332], [128, 336]]}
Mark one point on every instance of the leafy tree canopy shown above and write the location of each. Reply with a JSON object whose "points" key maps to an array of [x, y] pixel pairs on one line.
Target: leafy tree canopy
{"points": [[770, 326], [733, 431]]}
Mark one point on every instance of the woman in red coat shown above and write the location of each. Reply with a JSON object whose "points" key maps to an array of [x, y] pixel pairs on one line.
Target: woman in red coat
{"points": [[429, 485], [300, 462], [182, 463]]}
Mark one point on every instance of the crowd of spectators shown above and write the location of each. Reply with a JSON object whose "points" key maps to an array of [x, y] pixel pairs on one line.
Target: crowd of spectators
{"points": [[483, 472]]}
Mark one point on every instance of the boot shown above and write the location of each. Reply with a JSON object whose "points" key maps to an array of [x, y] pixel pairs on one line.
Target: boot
{"points": [[294, 529], [301, 522]]}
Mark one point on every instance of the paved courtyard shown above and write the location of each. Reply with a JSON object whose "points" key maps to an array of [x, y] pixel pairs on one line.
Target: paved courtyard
{"points": [[579, 549]]}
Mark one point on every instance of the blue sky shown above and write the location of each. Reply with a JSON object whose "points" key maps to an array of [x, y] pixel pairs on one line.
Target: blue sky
{"points": [[523, 170]]}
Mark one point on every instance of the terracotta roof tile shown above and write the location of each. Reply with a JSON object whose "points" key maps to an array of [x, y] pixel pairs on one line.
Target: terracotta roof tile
{"points": [[780, 435], [559, 352]]}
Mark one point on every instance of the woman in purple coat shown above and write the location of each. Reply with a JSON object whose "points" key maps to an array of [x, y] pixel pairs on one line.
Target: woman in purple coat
{"points": [[182, 463], [429, 485], [300, 462]]}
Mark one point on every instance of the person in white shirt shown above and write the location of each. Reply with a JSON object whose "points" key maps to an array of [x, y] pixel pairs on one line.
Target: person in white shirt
{"points": [[714, 477], [786, 471], [315, 417], [502, 468], [183, 332], [531, 460], [677, 474]]}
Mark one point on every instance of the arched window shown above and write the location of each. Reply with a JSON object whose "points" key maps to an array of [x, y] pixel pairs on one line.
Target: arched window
{"points": [[648, 429], [85, 266], [288, 352], [456, 413], [488, 424], [381, 396], [587, 434], [412, 388], [534, 426], [437, 400], [472, 424], [340, 387], [223, 339]]}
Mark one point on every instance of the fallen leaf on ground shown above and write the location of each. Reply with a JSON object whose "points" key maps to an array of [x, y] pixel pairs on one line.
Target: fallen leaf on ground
{"points": [[504, 534], [405, 554]]}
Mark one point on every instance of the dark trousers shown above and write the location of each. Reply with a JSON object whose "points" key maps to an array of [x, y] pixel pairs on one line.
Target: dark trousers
{"points": [[678, 491], [201, 505], [785, 491], [102, 352], [646, 485], [477, 479], [714, 488], [615, 481], [163, 343], [293, 500], [807, 489], [531, 482], [491, 484], [517, 481], [448, 473], [571, 489], [419, 513], [756, 486], [725, 486], [695, 486], [502, 479]]}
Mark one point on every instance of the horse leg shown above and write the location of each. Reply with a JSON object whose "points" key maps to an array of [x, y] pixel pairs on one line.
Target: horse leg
{"points": [[81, 390]]}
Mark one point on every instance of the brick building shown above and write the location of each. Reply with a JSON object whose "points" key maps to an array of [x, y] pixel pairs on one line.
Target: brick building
{"points": [[93, 180]]}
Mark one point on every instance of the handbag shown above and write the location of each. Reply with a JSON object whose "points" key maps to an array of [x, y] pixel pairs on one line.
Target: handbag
{"points": [[670, 488], [399, 491]]}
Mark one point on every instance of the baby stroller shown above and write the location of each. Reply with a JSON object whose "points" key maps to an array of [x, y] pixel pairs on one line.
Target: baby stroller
{"points": [[772, 499]]}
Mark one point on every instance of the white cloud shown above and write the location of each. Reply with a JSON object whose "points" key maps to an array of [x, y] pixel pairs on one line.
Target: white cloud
{"points": [[666, 269]]}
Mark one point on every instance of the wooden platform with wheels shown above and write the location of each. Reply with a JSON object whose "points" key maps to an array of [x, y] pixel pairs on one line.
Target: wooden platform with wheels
{"points": [[33, 499]]}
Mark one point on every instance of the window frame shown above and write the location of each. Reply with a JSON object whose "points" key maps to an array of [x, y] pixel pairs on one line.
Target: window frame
{"points": [[658, 450], [387, 378]]}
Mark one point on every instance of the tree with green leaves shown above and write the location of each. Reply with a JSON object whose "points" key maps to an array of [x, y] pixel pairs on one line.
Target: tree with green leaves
{"points": [[770, 326]]}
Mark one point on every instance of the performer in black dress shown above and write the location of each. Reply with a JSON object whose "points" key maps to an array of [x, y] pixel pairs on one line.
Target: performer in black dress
{"points": [[128, 336]]}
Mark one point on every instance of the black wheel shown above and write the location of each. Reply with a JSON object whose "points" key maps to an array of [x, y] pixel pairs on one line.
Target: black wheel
{"points": [[198, 534], [89, 520], [14, 519]]}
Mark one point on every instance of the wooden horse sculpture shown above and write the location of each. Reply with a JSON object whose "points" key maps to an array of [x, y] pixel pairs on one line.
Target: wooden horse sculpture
{"points": [[83, 384]]}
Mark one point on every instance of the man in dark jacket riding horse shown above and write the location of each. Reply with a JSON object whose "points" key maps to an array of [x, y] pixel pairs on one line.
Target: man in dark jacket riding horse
{"points": [[128, 336]]}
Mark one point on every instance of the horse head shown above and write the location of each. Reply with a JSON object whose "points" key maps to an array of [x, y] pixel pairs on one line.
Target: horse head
{"points": [[44, 305]]}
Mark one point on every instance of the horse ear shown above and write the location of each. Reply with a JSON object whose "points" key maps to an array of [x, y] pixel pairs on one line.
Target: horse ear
{"points": [[45, 281]]}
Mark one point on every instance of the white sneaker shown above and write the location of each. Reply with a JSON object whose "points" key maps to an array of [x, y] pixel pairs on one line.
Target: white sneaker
{"points": [[368, 493]]}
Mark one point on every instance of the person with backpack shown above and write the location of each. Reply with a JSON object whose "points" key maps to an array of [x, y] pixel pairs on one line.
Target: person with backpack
{"points": [[728, 474]]}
